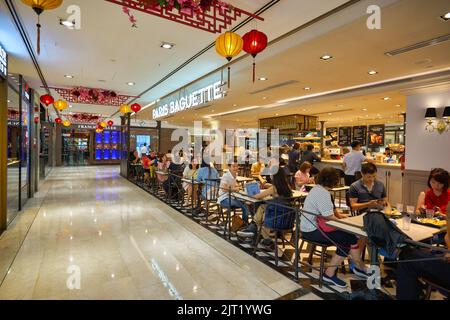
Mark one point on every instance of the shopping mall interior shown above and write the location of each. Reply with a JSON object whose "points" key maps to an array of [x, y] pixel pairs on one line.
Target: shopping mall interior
{"points": [[237, 150]]}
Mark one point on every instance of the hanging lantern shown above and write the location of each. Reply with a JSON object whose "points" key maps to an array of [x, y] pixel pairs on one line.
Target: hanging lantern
{"points": [[110, 123], [125, 109], [58, 120], [36, 120], [66, 123], [39, 6], [47, 99], [99, 130], [103, 124], [254, 42], [61, 105], [229, 45], [136, 107]]}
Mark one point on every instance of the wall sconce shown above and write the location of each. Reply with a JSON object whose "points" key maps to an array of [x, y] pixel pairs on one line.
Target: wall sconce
{"points": [[441, 125]]}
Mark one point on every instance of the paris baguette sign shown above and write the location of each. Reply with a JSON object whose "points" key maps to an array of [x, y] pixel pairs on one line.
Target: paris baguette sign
{"points": [[194, 99]]}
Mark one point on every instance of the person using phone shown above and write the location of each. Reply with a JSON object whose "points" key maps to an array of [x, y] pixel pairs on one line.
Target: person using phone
{"points": [[437, 197], [368, 193]]}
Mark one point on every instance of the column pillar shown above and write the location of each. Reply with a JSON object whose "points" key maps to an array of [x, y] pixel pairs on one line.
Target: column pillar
{"points": [[3, 152]]}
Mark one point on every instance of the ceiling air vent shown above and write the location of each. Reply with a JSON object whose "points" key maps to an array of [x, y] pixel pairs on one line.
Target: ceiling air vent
{"points": [[419, 45], [275, 86]]}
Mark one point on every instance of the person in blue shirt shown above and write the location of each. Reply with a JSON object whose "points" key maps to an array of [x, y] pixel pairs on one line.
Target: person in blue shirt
{"points": [[206, 172]]}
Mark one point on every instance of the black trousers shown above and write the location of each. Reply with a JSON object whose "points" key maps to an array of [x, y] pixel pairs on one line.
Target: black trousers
{"points": [[436, 271], [343, 239]]}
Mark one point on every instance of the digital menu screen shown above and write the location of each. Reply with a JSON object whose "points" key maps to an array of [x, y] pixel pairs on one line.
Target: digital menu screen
{"points": [[345, 136], [332, 136], [360, 134], [376, 136]]}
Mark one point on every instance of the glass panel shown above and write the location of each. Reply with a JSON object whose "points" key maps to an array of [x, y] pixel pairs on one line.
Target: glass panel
{"points": [[25, 158], [13, 155]]}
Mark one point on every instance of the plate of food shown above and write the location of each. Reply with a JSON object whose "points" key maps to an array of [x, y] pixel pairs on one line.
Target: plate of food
{"points": [[433, 222], [393, 212]]}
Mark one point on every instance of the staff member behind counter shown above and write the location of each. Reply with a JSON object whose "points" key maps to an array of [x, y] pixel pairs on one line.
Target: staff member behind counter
{"points": [[352, 163]]}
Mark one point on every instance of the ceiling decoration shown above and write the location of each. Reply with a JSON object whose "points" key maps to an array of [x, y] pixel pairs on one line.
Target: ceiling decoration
{"points": [[208, 15], [92, 96], [83, 117]]}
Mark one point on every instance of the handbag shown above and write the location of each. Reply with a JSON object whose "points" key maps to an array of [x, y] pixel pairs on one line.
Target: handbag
{"points": [[236, 223], [322, 222]]}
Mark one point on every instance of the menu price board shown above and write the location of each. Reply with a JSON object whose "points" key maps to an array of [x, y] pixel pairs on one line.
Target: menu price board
{"points": [[332, 134], [345, 136], [376, 136], [360, 134]]}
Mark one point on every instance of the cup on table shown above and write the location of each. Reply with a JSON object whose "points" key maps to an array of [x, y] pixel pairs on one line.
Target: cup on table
{"points": [[406, 222], [429, 213], [400, 207], [410, 209]]}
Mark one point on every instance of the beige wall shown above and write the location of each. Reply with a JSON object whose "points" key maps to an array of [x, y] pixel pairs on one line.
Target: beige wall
{"points": [[425, 150]]}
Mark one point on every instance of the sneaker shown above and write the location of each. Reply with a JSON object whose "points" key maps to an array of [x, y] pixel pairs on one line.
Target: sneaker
{"points": [[335, 281], [360, 273], [248, 232], [268, 244]]}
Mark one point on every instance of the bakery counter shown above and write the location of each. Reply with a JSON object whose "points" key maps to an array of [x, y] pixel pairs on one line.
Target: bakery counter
{"points": [[388, 173]]}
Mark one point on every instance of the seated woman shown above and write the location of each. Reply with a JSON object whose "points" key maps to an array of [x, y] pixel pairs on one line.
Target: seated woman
{"points": [[153, 164], [437, 196], [146, 166], [134, 159], [319, 208], [205, 173], [280, 189], [256, 171], [303, 176], [190, 172], [163, 165]]}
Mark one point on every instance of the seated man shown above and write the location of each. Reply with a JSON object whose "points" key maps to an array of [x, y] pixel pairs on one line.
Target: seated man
{"points": [[256, 171], [368, 193], [227, 183], [422, 263]]}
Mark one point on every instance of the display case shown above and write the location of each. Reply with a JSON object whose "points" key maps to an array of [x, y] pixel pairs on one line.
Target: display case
{"points": [[107, 147]]}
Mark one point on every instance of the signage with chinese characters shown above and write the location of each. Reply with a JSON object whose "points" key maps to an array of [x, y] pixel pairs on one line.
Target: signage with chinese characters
{"points": [[189, 100], [3, 62]]}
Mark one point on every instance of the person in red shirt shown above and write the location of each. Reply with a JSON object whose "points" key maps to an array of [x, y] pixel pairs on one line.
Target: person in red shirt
{"points": [[146, 162], [437, 196]]}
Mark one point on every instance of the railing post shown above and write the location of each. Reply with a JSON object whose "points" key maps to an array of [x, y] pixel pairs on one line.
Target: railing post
{"points": [[296, 240], [228, 222], [169, 192]]}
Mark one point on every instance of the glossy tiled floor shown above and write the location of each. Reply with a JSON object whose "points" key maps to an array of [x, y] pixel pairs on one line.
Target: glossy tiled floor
{"points": [[123, 244]]}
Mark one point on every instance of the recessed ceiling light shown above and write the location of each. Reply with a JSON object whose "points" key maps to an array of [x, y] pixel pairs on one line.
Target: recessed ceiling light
{"points": [[276, 114], [398, 105], [9, 101], [372, 72], [446, 16], [307, 88], [68, 76], [264, 98], [386, 98], [304, 110], [235, 105], [364, 109], [263, 79], [329, 113], [131, 83], [167, 45], [326, 57]]}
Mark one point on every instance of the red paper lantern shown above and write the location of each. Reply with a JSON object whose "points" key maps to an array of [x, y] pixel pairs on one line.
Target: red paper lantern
{"points": [[254, 42], [47, 99], [136, 107], [58, 120], [110, 123], [36, 120]]}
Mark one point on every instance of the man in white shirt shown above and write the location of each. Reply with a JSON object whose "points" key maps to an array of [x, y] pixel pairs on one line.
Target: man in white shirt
{"points": [[353, 162], [144, 149], [228, 182]]}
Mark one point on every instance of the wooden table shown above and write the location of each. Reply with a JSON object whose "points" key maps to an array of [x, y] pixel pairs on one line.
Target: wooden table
{"points": [[355, 225], [243, 196]]}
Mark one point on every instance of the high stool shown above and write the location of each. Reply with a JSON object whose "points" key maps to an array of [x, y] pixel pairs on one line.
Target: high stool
{"points": [[323, 253]]}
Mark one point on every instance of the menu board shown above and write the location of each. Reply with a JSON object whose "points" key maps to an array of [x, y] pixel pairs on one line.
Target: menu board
{"points": [[376, 136], [332, 136], [345, 136], [360, 135]]}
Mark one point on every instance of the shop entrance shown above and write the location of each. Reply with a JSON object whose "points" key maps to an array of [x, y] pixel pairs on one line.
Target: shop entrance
{"points": [[75, 146]]}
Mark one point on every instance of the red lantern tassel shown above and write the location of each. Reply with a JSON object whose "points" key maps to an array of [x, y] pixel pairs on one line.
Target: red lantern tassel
{"points": [[254, 71], [229, 76], [38, 36]]}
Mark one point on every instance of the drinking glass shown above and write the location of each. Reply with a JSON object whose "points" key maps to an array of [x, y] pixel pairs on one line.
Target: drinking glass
{"points": [[429, 213], [406, 225], [400, 207]]}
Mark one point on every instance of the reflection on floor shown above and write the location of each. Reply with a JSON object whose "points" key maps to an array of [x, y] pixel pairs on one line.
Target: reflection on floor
{"points": [[94, 235]]}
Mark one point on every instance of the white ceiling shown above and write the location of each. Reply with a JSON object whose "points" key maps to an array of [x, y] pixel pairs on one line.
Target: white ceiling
{"points": [[107, 48]]}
